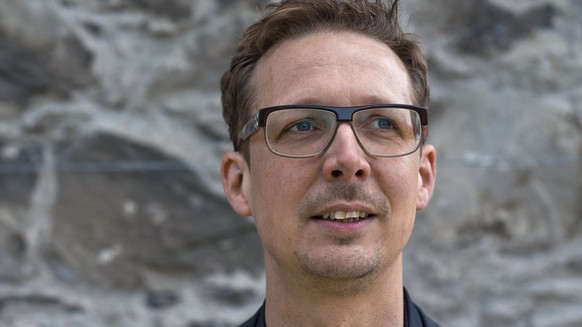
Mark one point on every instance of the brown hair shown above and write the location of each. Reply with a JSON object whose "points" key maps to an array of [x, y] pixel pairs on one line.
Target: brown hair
{"points": [[290, 19]]}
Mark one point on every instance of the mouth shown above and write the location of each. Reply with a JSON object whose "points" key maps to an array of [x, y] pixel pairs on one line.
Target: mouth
{"points": [[344, 216]]}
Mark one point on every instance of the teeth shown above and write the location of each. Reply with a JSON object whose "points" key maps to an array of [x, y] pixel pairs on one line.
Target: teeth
{"points": [[343, 215]]}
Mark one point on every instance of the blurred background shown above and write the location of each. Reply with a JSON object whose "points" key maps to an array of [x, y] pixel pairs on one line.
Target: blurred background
{"points": [[111, 207]]}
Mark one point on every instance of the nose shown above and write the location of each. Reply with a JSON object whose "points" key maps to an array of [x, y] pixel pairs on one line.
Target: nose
{"points": [[344, 159]]}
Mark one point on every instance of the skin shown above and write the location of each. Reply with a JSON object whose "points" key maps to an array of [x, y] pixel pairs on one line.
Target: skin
{"points": [[317, 274]]}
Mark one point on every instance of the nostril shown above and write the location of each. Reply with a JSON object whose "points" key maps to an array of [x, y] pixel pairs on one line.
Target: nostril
{"points": [[336, 173], [359, 173]]}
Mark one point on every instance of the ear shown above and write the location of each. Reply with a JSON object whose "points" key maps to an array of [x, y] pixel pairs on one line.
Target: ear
{"points": [[426, 176], [236, 182]]}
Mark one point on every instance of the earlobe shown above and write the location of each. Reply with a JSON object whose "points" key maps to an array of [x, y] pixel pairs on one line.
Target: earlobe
{"points": [[426, 176], [235, 174]]}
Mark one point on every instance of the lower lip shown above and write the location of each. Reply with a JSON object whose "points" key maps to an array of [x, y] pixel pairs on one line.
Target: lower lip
{"points": [[335, 227]]}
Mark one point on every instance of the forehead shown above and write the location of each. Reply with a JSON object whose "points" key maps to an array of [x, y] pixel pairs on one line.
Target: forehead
{"points": [[332, 68]]}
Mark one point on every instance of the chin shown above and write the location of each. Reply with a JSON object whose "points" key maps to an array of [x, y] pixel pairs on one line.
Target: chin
{"points": [[340, 266]]}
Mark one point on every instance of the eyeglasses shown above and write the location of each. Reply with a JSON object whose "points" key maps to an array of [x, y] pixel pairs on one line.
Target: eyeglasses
{"points": [[301, 131]]}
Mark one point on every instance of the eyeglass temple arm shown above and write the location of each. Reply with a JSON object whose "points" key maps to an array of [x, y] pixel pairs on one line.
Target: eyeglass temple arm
{"points": [[424, 134], [251, 127]]}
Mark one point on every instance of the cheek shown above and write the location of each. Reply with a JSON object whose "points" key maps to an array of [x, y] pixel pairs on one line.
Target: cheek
{"points": [[399, 179], [278, 188], [280, 177], [399, 183], [278, 185]]}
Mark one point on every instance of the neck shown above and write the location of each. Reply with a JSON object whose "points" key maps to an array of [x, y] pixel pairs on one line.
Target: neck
{"points": [[376, 300]]}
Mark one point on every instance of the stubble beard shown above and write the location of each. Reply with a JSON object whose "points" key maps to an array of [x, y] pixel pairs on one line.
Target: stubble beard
{"points": [[344, 269], [339, 267]]}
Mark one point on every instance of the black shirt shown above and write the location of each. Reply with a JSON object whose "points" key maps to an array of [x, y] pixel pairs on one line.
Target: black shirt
{"points": [[413, 316]]}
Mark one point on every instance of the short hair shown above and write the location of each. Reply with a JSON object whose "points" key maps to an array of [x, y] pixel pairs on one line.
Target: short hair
{"points": [[290, 19]]}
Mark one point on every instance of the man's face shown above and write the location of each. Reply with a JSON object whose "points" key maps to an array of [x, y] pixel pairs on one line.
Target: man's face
{"points": [[288, 197]]}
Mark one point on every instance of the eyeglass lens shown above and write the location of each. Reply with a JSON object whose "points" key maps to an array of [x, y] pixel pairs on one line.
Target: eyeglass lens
{"points": [[305, 132]]}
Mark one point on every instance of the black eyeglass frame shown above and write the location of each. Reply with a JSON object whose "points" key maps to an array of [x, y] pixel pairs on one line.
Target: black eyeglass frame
{"points": [[342, 114]]}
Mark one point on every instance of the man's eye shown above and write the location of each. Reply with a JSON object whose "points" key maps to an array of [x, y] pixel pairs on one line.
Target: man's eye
{"points": [[382, 123], [302, 126]]}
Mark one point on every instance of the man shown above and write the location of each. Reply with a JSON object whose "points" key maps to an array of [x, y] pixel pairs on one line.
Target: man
{"points": [[324, 102]]}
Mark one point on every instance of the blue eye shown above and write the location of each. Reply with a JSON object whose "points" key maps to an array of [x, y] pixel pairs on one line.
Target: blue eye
{"points": [[383, 123], [302, 126]]}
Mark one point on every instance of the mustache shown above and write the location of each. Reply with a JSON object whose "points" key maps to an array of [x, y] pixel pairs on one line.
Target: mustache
{"points": [[349, 193]]}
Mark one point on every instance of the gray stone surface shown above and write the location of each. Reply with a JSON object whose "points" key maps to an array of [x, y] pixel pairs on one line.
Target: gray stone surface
{"points": [[111, 208]]}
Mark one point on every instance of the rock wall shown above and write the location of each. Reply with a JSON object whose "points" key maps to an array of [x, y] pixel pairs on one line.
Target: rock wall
{"points": [[111, 207]]}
